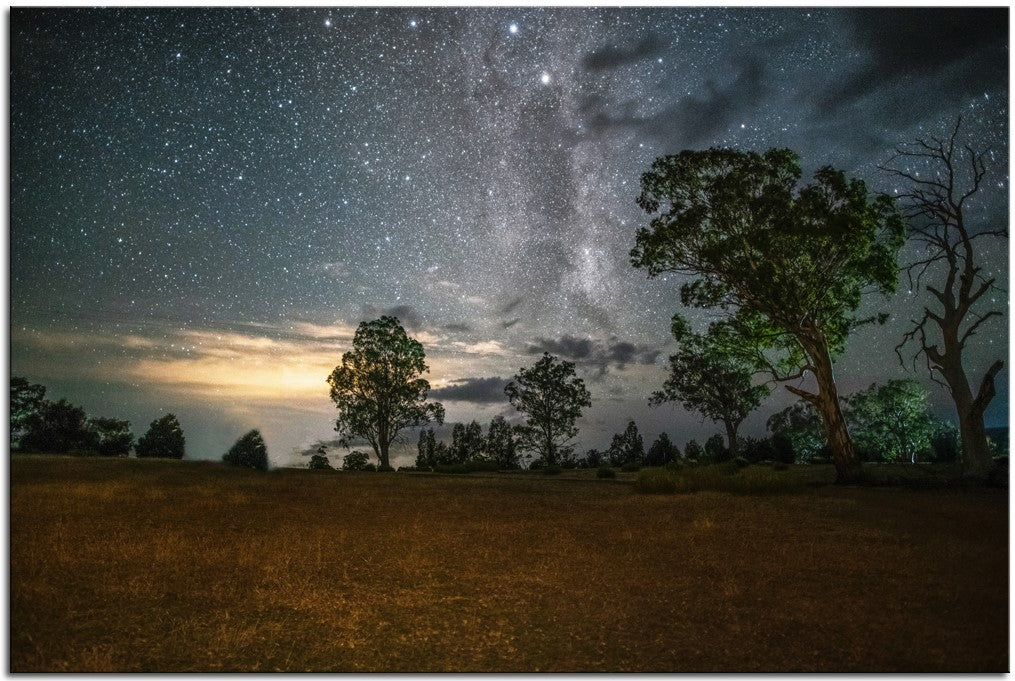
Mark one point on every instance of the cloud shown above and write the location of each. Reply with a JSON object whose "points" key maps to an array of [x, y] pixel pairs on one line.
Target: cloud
{"points": [[477, 390], [596, 353], [509, 323], [407, 315], [510, 306], [457, 328], [612, 56]]}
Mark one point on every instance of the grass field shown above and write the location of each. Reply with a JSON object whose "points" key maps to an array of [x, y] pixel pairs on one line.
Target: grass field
{"points": [[142, 565]]}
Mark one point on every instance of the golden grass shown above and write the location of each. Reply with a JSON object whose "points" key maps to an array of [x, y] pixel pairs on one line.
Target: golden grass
{"points": [[127, 565]]}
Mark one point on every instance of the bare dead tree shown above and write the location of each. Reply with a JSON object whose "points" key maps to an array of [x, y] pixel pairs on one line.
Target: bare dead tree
{"points": [[941, 176]]}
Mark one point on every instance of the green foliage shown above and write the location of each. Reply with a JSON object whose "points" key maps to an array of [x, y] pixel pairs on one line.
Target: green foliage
{"points": [[693, 451], [627, 447], [164, 439], [800, 425], [355, 461], [662, 451], [59, 427], [500, 444], [710, 374], [552, 399], [715, 450], [112, 436], [377, 388], [892, 421], [26, 405], [319, 462], [248, 452], [656, 481], [606, 472]]}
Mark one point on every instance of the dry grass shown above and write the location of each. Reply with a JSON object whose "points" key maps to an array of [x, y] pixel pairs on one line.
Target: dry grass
{"points": [[127, 565]]}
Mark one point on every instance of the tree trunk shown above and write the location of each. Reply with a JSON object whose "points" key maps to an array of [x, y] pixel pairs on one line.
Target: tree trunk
{"points": [[976, 459], [847, 465], [731, 439]]}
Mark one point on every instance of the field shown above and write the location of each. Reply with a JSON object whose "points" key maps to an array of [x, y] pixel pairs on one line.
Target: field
{"points": [[128, 565]]}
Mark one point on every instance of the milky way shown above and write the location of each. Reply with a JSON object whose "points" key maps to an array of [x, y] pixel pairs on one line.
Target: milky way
{"points": [[205, 203]]}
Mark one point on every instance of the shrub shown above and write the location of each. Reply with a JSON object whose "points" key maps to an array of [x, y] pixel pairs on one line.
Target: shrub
{"points": [[383, 468], [606, 472], [741, 462], [248, 452], [552, 470], [319, 462], [780, 466], [370, 467], [163, 439], [631, 467], [673, 466], [409, 469], [656, 481], [355, 461]]}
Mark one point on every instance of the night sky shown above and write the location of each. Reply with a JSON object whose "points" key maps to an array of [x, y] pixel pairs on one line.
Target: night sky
{"points": [[206, 203]]}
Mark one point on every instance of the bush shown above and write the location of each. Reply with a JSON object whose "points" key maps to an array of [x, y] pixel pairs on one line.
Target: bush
{"points": [[780, 466], [631, 467], [606, 472], [552, 470], [370, 467], [741, 462], [319, 462], [385, 469], [355, 461], [673, 466], [656, 481], [164, 439], [248, 452], [410, 469]]}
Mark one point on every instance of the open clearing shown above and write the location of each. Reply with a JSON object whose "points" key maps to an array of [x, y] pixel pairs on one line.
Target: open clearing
{"points": [[141, 565]]}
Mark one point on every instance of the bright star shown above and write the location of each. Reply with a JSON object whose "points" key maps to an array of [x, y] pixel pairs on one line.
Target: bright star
{"points": [[327, 23], [513, 28], [545, 78], [412, 23]]}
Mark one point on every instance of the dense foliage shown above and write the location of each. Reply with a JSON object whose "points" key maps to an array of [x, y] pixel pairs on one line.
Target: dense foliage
{"points": [[164, 439], [248, 452]]}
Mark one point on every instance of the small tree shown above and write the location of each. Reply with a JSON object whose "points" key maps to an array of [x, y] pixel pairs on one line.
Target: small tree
{"points": [[662, 451], [59, 427], [164, 439], [800, 425], [791, 264], [426, 449], [552, 399], [935, 201], [892, 420], [709, 374], [377, 388], [113, 436], [466, 442], [27, 400], [627, 447], [500, 444], [319, 462], [693, 451], [714, 449], [593, 458], [355, 461], [248, 452]]}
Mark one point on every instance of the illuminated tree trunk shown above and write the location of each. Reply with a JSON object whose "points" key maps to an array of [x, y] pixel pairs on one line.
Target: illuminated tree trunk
{"points": [[731, 438]]}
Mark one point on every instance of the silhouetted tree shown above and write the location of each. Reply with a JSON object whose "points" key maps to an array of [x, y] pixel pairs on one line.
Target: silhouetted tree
{"points": [[791, 263], [442, 454], [593, 458], [714, 449], [59, 427], [552, 398], [944, 444], [466, 442], [319, 462], [710, 375], [378, 389], [164, 439], [942, 177], [892, 420], [355, 461], [113, 436], [800, 425], [693, 451], [662, 451], [248, 452], [426, 449], [627, 447], [500, 444], [26, 404]]}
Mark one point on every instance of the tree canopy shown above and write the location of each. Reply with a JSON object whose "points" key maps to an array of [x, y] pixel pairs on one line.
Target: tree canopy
{"points": [[789, 263], [892, 421], [378, 388], [164, 439], [26, 403], [552, 399], [249, 452]]}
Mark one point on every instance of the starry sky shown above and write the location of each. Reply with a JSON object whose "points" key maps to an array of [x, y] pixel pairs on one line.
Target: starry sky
{"points": [[205, 203]]}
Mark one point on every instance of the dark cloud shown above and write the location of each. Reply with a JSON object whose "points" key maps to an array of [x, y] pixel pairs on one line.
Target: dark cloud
{"points": [[510, 322], [965, 46], [594, 353], [612, 56], [478, 390], [457, 328], [510, 306], [409, 317], [691, 120]]}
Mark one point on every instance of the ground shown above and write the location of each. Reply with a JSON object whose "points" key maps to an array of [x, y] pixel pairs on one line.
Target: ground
{"points": [[142, 565]]}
